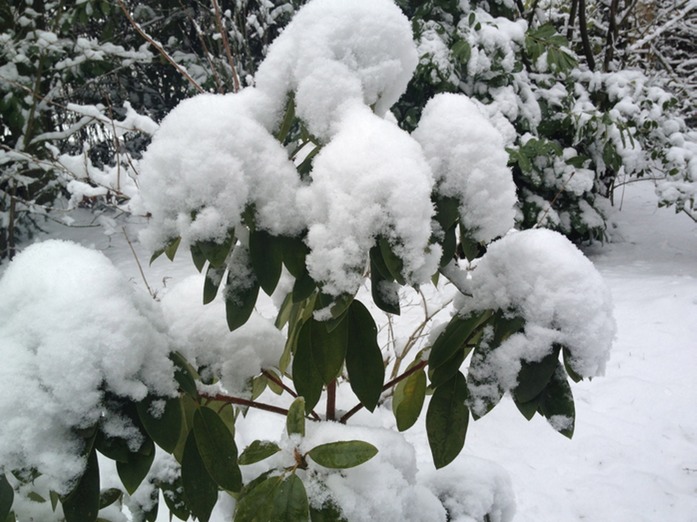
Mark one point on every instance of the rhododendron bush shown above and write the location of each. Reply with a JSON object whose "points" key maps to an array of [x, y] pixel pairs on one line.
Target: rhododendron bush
{"points": [[311, 216]]}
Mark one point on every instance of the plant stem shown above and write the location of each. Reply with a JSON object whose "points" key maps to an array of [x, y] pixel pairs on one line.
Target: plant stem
{"points": [[245, 402], [387, 386], [331, 400]]}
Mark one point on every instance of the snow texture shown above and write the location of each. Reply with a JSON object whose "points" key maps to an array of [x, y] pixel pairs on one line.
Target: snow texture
{"points": [[469, 162], [201, 334], [371, 180], [334, 52], [72, 329], [540, 276], [213, 157]]}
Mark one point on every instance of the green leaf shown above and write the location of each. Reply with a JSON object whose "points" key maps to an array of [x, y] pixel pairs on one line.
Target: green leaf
{"points": [[447, 211], [568, 366], [307, 379], [108, 496], [288, 119], [217, 253], [364, 363], [211, 283], [171, 249], [392, 261], [343, 454], [408, 399], [173, 493], [446, 420], [133, 471], [454, 337], [447, 371], [200, 491], [284, 312], [329, 512], [557, 403], [303, 287], [328, 348], [239, 304], [266, 255], [197, 257], [290, 501], [164, 428], [274, 499], [7, 495], [385, 294], [258, 451], [295, 421], [378, 263], [82, 504], [184, 374], [294, 254], [535, 376], [217, 449], [449, 246]]}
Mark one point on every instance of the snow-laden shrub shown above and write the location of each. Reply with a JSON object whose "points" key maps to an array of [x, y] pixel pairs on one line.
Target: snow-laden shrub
{"points": [[309, 190]]}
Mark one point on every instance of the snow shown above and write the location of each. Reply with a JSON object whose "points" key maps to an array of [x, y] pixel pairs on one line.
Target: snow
{"points": [[469, 162], [67, 312]]}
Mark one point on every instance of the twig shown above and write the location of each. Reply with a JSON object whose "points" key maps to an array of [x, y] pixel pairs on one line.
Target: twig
{"points": [[358, 407], [140, 267], [226, 45], [245, 402], [159, 47], [270, 376]]}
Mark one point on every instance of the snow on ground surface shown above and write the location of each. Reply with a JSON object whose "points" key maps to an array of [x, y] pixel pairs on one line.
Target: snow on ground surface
{"points": [[634, 453]]}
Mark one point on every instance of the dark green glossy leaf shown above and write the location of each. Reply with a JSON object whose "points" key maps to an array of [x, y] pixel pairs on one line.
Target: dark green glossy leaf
{"points": [[338, 306], [257, 502], [82, 504], [343, 454], [364, 363], [535, 376], [217, 449], [329, 512], [113, 448], [408, 399], [290, 501], [294, 254], [239, 304], [557, 403], [328, 348], [211, 283], [295, 421], [258, 451], [303, 287], [162, 420], [217, 253], [133, 471], [454, 337], [392, 261], [184, 374], [447, 370], [449, 246], [385, 293], [447, 211], [173, 493], [171, 249], [198, 257], [446, 420], [109, 496], [568, 366], [306, 378], [266, 255], [200, 490], [7, 495]]}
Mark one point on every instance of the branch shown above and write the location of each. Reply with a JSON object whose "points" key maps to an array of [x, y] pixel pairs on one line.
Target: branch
{"points": [[358, 407], [245, 402], [159, 47], [583, 27], [226, 44]]}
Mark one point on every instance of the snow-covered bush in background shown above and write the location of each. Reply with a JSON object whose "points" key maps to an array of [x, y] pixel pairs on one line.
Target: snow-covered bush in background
{"points": [[573, 134], [311, 206]]}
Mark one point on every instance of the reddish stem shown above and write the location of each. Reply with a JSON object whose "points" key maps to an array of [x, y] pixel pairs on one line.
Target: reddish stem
{"points": [[245, 402], [387, 386], [331, 400]]}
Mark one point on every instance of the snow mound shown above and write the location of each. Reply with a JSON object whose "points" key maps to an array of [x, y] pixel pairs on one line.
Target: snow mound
{"points": [[335, 51], [469, 162], [72, 329], [201, 334], [540, 276]]}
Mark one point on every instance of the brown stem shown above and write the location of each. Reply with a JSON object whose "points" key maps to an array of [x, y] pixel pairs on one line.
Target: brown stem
{"points": [[611, 35], [226, 45], [331, 400], [158, 47], [387, 386], [270, 376], [572, 20], [245, 402]]}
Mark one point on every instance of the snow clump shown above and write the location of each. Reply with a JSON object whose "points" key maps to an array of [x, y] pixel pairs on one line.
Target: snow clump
{"points": [[469, 162], [72, 330], [541, 277]]}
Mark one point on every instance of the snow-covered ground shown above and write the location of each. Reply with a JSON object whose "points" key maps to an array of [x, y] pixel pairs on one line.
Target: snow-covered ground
{"points": [[634, 453]]}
